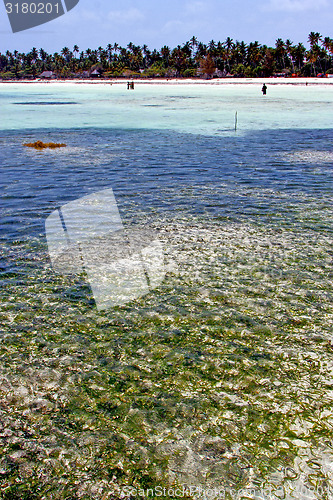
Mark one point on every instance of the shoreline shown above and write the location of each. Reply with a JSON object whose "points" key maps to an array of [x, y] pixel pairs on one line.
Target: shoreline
{"points": [[180, 81]]}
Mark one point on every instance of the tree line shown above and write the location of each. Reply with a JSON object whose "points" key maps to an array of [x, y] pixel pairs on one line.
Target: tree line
{"points": [[192, 59]]}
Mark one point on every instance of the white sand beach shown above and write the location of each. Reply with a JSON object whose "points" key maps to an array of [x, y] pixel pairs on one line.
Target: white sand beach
{"points": [[180, 81]]}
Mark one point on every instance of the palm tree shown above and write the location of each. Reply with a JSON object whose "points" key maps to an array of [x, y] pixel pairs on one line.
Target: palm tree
{"points": [[178, 59], [42, 54], [165, 53], [201, 50], [251, 60], [314, 39], [327, 43], [299, 52], [109, 49], [147, 56], [99, 52], [212, 47], [65, 52], [313, 54], [34, 54], [280, 51], [253, 54], [289, 52], [193, 42], [228, 45]]}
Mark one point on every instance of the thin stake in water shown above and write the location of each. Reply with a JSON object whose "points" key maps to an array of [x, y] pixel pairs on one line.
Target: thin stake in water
{"points": [[236, 121]]}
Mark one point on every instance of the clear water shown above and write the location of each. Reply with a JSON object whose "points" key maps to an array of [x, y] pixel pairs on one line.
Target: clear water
{"points": [[199, 109], [223, 376]]}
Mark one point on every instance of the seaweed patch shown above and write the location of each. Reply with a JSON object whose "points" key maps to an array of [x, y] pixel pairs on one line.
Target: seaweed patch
{"points": [[44, 145]]}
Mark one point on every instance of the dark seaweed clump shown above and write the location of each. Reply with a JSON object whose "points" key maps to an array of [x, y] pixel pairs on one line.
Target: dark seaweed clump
{"points": [[44, 145]]}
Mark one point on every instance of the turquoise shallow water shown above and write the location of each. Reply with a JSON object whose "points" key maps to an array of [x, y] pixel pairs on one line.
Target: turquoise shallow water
{"points": [[199, 109], [222, 377]]}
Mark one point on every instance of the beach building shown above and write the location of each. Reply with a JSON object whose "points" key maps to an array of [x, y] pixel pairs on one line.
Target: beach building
{"points": [[48, 75], [82, 74], [95, 74]]}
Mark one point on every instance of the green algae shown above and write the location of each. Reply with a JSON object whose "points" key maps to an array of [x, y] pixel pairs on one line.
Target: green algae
{"points": [[221, 377]]}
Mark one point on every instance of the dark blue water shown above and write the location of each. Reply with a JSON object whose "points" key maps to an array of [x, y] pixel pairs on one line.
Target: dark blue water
{"points": [[250, 176]]}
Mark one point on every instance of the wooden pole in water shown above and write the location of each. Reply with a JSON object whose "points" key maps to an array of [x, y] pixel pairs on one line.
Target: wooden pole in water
{"points": [[236, 121]]}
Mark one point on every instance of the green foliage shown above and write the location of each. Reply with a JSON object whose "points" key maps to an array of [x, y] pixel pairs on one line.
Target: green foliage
{"points": [[155, 70], [307, 70], [128, 73], [237, 58], [207, 65], [7, 75], [98, 67], [190, 73], [241, 70]]}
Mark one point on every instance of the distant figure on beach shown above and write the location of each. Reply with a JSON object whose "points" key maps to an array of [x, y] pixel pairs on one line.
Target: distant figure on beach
{"points": [[130, 85], [264, 89]]}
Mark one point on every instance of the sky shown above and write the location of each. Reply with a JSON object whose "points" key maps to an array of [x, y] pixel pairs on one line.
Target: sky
{"points": [[94, 23]]}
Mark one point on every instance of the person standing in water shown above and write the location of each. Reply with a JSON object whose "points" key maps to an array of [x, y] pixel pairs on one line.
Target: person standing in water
{"points": [[264, 89]]}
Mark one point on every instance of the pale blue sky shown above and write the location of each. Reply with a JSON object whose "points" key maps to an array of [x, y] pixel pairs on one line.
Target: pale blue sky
{"points": [[96, 23]]}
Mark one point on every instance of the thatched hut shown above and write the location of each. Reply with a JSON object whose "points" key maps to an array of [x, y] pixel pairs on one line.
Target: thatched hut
{"points": [[95, 74], [48, 75]]}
